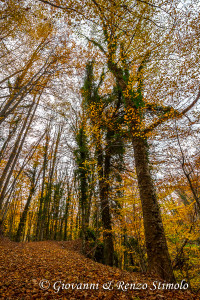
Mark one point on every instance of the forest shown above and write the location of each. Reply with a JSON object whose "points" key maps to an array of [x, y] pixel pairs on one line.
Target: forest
{"points": [[99, 134]]}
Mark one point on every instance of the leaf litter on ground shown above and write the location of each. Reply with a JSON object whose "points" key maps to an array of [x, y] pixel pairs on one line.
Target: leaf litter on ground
{"points": [[24, 265]]}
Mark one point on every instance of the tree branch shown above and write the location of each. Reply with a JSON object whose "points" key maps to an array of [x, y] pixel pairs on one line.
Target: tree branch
{"points": [[171, 114], [58, 6]]}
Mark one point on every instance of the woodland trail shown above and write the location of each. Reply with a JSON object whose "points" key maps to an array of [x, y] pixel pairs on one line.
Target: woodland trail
{"points": [[24, 265]]}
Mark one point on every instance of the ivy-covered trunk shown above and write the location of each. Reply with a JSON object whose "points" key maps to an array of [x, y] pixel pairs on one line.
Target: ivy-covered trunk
{"points": [[83, 200], [82, 154], [159, 260], [103, 174], [157, 251]]}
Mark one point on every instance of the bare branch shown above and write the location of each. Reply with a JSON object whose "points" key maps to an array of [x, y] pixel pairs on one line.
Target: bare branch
{"points": [[172, 114]]}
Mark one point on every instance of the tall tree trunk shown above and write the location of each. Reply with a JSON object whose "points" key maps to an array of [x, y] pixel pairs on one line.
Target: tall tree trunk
{"points": [[90, 194], [67, 210], [48, 198], [41, 199], [55, 210], [61, 221], [12, 131], [5, 177], [83, 203], [159, 260], [157, 250], [23, 218], [28, 235], [71, 222], [81, 160], [16, 151], [103, 174]]}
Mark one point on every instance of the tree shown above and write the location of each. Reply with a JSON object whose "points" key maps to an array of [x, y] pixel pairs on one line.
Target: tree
{"points": [[82, 156], [104, 118], [119, 54], [33, 180]]}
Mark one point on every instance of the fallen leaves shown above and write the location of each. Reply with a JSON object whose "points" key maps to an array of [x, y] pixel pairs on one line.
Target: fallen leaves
{"points": [[25, 265]]}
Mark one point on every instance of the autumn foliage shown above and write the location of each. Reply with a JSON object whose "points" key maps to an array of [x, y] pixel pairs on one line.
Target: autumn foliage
{"points": [[99, 141]]}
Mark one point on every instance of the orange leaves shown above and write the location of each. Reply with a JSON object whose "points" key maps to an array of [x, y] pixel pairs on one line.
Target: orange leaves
{"points": [[67, 274]]}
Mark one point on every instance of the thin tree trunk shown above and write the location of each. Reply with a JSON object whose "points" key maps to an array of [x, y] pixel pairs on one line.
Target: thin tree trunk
{"points": [[83, 200], [23, 218], [41, 200], [61, 228], [71, 222], [49, 188], [10, 136], [55, 211], [28, 236], [67, 211], [15, 154]]}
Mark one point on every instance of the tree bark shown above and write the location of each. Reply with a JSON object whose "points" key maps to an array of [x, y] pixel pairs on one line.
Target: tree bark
{"points": [[40, 218], [105, 208], [23, 218], [157, 251], [66, 216], [48, 198], [15, 154]]}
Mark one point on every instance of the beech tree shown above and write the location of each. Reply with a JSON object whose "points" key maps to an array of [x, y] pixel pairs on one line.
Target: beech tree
{"points": [[120, 59], [82, 156], [103, 113]]}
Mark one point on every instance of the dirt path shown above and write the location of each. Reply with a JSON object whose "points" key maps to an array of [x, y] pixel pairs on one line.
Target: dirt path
{"points": [[70, 276]]}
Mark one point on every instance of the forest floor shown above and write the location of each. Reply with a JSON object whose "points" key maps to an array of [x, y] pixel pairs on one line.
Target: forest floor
{"points": [[57, 270]]}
